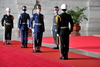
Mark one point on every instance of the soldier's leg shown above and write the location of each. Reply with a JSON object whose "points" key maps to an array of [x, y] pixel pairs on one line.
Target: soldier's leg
{"points": [[26, 40], [35, 42], [9, 36], [66, 47], [61, 47], [22, 38], [55, 40], [40, 41]]}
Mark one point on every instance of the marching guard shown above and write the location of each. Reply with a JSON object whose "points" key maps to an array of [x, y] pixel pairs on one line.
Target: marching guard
{"points": [[63, 31], [7, 25], [54, 28], [23, 26], [38, 28]]}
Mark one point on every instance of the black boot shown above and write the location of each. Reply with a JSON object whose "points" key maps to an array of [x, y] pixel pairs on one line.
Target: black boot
{"points": [[66, 55], [23, 45], [62, 57], [56, 47], [6, 42], [38, 49], [9, 42]]}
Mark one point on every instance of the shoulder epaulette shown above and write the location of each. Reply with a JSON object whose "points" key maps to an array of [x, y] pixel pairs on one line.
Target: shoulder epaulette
{"points": [[58, 17]]}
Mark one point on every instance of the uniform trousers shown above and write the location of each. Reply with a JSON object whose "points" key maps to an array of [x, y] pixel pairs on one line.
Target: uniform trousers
{"points": [[38, 39], [64, 41], [55, 37], [24, 35], [8, 32]]}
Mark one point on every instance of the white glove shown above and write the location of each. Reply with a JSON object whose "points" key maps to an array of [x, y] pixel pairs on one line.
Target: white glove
{"points": [[55, 30], [51, 28], [32, 30], [51, 31], [57, 34], [3, 27]]}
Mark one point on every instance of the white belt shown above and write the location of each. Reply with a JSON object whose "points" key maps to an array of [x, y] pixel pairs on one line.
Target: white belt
{"points": [[24, 23], [38, 24]]}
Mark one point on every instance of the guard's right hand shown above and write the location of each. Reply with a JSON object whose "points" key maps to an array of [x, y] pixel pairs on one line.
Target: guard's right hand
{"points": [[55, 30], [33, 30], [3, 27], [57, 34], [30, 28]]}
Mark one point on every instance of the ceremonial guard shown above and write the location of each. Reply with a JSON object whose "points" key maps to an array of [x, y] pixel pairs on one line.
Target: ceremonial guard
{"points": [[38, 28], [7, 23], [64, 30], [54, 28], [23, 26]]}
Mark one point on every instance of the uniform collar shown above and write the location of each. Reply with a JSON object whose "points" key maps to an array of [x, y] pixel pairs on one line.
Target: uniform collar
{"points": [[24, 11], [56, 14], [38, 13], [63, 12], [8, 14]]}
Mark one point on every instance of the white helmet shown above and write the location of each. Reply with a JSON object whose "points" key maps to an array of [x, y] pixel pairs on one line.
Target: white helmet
{"points": [[63, 6], [7, 9]]}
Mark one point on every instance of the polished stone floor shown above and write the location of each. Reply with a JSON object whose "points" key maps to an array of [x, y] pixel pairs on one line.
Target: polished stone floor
{"points": [[47, 33]]}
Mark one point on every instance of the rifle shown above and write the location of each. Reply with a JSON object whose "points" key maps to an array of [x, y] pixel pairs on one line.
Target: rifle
{"points": [[4, 34], [3, 37]]}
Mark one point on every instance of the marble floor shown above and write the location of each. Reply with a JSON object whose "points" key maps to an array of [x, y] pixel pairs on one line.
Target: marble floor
{"points": [[49, 33]]}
